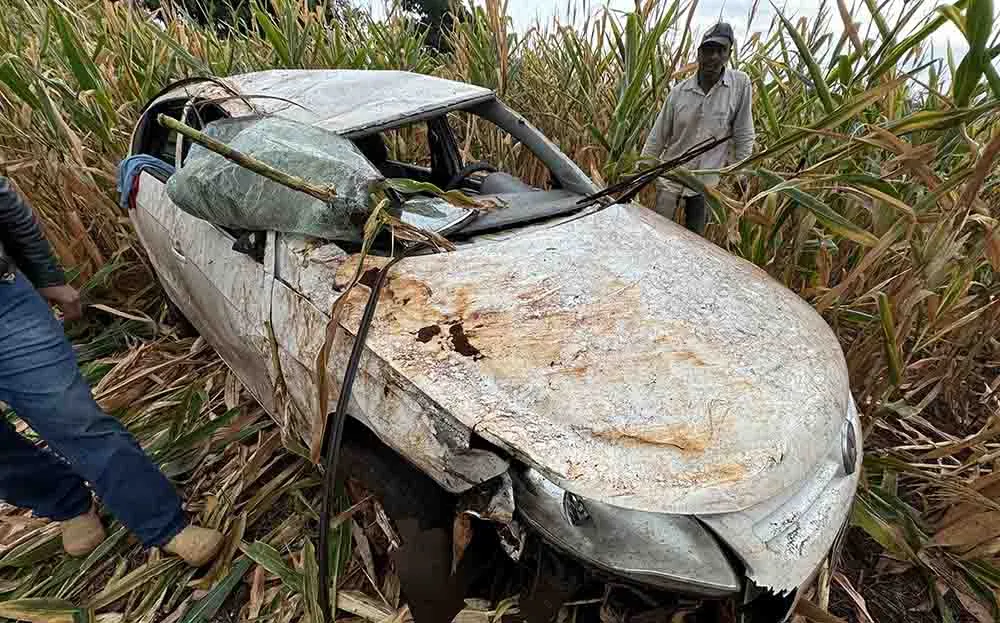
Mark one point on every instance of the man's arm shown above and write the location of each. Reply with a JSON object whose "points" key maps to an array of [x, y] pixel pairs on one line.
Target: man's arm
{"points": [[656, 142], [24, 243], [743, 131]]}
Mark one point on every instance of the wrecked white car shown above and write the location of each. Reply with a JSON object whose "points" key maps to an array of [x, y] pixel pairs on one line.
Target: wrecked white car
{"points": [[663, 411]]}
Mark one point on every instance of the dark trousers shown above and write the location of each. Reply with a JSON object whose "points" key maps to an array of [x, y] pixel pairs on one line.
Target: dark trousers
{"points": [[40, 381], [695, 213]]}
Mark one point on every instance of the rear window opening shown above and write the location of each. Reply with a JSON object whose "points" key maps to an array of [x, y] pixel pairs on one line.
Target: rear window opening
{"points": [[152, 139]]}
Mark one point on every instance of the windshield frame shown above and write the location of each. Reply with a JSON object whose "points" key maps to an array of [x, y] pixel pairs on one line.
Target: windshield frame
{"points": [[562, 167]]}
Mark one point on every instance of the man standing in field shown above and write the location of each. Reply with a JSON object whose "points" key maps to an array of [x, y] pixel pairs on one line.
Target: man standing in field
{"points": [[713, 103], [40, 381]]}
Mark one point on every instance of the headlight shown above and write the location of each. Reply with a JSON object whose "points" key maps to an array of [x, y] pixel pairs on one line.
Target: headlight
{"points": [[849, 446]]}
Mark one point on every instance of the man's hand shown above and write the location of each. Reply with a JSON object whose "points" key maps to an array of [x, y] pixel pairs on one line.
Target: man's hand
{"points": [[66, 298]]}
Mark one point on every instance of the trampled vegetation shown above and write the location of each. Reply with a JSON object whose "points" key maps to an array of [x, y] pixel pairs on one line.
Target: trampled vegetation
{"points": [[873, 194]]}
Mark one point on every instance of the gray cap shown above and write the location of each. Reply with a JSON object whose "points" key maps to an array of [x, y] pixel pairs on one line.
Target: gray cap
{"points": [[721, 33]]}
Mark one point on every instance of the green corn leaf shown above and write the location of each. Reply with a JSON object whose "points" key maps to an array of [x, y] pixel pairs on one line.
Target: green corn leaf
{"points": [[889, 334], [104, 549], [271, 560], [148, 608], [854, 316], [138, 578], [865, 517], [205, 609], [926, 120], [831, 220], [310, 584], [273, 34], [770, 114], [847, 111], [890, 58], [58, 576], [844, 67], [33, 552], [688, 179], [194, 438], [197, 65], [983, 571], [42, 610], [819, 82], [979, 24], [992, 76], [966, 80], [947, 616], [454, 197], [883, 26], [84, 70], [956, 17], [14, 81]]}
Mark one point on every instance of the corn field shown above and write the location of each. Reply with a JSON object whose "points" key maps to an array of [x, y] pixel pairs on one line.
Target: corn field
{"points": [[873, 193]]}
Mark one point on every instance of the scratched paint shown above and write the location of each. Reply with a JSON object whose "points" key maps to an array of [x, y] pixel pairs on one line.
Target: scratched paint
{"points": [[407, 420], [784, 540]]}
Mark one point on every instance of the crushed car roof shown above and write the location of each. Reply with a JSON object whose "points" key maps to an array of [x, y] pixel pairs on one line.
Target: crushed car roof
{"points": [[340, 100]]}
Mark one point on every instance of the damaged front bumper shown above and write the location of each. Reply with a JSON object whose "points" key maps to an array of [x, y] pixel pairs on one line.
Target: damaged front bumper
{"points": [[774, 547], [672, 552], [782, 542]]}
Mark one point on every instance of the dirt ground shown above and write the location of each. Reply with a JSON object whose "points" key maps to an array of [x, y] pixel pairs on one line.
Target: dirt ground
{"points": [[890, 595]]}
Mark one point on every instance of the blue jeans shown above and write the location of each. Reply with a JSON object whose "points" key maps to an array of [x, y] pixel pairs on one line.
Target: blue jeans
{"points": [[40, 381]]}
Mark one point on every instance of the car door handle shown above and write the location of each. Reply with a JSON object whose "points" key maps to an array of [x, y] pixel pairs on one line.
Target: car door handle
{"points": [[176, 248]]}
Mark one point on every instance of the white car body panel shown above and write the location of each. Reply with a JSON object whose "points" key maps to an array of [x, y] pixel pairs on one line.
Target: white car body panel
{"points": [[224, 294]]}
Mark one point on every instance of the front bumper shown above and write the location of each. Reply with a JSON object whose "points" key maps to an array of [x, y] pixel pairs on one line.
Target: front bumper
{"points": [[671, 552], [779, 544]]}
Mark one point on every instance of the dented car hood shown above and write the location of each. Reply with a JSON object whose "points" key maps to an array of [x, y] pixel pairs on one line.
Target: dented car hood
{"points": [[627, 359]]}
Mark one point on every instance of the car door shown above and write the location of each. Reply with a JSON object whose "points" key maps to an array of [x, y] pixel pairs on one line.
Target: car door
{"points": [[226, 295]]}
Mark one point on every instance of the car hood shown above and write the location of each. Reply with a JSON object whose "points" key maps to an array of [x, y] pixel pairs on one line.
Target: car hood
{"points": [[627, 359]]}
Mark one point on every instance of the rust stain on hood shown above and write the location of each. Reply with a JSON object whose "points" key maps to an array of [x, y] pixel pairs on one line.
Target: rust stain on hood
{"points": [[680, 437]]}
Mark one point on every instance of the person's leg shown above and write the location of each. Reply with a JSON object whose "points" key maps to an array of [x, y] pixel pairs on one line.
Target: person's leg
{"points": [[41, 382], [35, 479], [666, 203], [695, 216]]}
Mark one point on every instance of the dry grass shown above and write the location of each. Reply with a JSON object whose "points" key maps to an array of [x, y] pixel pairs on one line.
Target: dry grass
{"points": [[872, 197], [194, 419]]}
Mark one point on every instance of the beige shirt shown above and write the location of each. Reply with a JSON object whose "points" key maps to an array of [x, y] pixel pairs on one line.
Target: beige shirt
{"points": [[690, 116]]}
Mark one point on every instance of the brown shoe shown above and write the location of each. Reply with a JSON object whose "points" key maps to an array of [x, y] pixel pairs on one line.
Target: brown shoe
{"points": [[83, 533], [196, 545]]}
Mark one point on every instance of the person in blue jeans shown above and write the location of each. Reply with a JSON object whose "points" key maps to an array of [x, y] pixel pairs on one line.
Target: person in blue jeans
{"points": [[41, 382]]}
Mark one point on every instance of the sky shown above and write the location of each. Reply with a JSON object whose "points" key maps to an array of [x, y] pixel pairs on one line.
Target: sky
{"points": [[527, 13]]}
